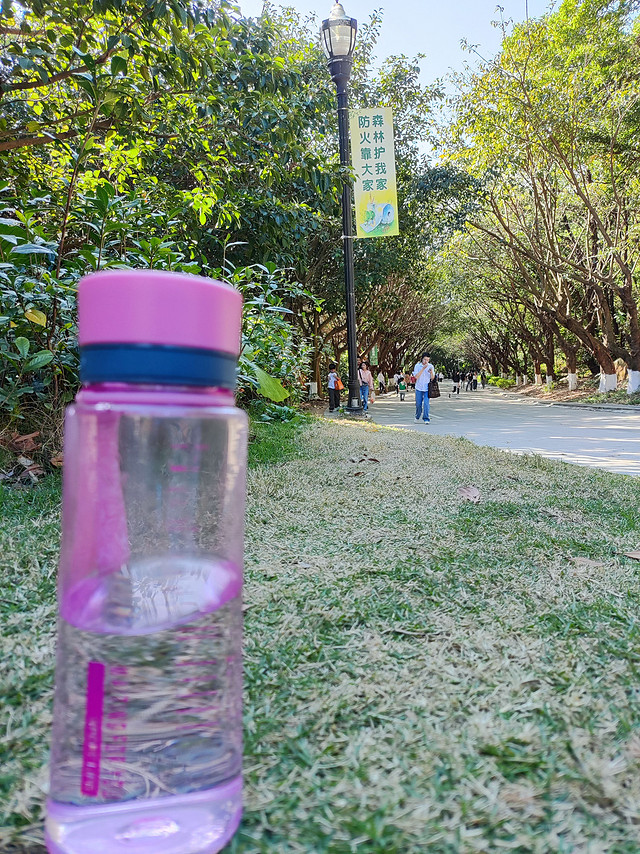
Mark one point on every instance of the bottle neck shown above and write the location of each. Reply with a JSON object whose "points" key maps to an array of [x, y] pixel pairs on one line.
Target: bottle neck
{"points": [[148, 394]]}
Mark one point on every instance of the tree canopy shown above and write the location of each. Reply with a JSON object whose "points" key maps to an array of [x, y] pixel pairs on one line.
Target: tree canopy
{"points": [[548, 128]]}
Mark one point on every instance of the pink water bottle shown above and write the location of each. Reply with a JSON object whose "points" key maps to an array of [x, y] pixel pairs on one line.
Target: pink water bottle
{"points": [[147, 732]]}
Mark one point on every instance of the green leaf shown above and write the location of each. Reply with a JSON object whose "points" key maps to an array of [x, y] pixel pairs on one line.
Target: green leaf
{"points": [[36, 316], [87, 85], [23, 345], [118, 65], [38, 360], [269, 386], [31, 249]]}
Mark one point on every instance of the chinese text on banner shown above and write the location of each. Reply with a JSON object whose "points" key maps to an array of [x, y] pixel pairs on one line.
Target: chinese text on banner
{"points": [[373, 159]]}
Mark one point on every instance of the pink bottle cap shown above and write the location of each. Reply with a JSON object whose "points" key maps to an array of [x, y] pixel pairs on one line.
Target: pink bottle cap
{"points": [[158, 307], [150, 327]]}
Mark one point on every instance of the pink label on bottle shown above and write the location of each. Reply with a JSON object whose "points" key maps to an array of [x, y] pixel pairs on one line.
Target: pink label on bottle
{"points": [[91, 749]]}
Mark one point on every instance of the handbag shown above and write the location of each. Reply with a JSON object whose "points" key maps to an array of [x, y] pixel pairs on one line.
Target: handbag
{"points": [[433, 389], [339, 384]]}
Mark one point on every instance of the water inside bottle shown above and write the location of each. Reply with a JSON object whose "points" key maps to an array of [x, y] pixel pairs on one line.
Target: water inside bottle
{"points": [[148, 698]]}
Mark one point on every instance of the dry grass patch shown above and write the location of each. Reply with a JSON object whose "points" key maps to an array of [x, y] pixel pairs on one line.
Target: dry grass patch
{"points": [[426, 672]]}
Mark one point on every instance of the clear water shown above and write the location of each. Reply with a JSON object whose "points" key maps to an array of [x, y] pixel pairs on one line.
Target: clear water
{"points": [[147, 737]]}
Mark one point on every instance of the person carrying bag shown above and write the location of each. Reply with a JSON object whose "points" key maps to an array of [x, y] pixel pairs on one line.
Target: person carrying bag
{"points": [[365, 377], [335, 387]]}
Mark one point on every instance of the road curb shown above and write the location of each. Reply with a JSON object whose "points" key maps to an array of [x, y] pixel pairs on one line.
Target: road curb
{"points": [[597, 407]]}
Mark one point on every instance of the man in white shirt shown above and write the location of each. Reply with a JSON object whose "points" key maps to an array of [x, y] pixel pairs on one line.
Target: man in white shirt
{"points": [[424, 373]]}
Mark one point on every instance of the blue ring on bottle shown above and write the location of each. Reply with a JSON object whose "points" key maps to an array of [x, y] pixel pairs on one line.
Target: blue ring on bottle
{"points": [[156, 364]]}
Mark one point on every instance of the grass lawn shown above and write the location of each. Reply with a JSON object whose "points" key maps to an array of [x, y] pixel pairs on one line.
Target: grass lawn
{"points": [[423, 673]]}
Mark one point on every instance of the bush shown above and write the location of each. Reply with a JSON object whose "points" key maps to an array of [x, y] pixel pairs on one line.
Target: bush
{"points": [[39, 358], [500, 382]]}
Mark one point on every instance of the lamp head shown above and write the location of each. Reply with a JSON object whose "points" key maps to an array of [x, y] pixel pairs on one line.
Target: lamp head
{"points": [[338, 35]]}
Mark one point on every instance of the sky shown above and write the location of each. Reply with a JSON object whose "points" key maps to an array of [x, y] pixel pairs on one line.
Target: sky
{"points": [[432, 27]]}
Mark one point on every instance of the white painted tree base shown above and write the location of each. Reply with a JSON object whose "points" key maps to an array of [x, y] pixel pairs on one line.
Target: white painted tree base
{"points": [[549, 380], [634, 382], [525, 380], [538, 379], [517, 379], [608, 382], [572, 380]]}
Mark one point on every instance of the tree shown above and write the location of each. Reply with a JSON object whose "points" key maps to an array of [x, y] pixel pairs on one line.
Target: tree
{"points": [[548, 126], [147, 134]]}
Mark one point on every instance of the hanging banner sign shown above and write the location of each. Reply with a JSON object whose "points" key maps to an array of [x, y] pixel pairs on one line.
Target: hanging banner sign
{"points": [[374, 164]]}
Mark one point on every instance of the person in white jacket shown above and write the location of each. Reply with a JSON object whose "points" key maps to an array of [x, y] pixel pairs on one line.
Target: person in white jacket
{"points": [[424, 373]]}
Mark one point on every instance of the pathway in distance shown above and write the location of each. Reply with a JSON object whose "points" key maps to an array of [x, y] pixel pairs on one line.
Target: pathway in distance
{"points": [[608, 439]]}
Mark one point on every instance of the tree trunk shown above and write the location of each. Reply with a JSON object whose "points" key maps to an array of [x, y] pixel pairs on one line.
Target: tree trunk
{"points": [[316, 352], [572, 370], [537, 372], [608, 382]]}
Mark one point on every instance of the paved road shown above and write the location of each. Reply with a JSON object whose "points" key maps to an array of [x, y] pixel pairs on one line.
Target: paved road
{"points": [[604, 439]]}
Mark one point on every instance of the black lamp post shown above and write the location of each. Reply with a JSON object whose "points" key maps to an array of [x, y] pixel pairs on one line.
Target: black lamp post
{"points": [[338, 34]]}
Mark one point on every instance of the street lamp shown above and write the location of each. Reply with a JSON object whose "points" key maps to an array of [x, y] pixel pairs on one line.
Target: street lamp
{"points": [[338, 35]]}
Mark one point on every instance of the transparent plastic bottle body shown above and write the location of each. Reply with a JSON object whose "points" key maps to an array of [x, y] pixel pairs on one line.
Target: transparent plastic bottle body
{"points": [[147, 733]]}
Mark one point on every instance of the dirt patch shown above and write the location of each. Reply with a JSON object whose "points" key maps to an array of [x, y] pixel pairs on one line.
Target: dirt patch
{"points": [[315, 407], [554, 395], [586, 392]]}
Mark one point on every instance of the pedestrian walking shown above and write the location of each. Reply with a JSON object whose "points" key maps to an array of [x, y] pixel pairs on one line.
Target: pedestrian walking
{"points": [[423, 373], [381, 383], [455, 376], [402, 387], [474, 382], [469, 381], [483, 379], [366, 383], [334, 387]]}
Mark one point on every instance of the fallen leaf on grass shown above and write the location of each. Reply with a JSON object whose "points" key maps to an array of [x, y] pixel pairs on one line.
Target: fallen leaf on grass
{"points": [[357, 474], [586, 563], [470, 493], [32, 470], [633, 555], [22, 444], [57, 461]]}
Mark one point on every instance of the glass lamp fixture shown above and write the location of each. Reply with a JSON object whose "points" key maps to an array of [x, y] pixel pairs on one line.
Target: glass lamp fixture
{"points": [[338, 34]]}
